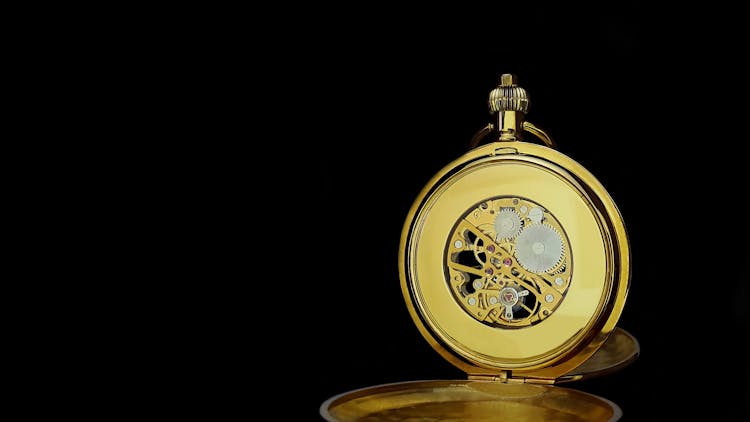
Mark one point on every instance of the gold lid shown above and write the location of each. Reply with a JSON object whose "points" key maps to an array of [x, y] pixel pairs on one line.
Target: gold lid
{"points": [[444, 400]]}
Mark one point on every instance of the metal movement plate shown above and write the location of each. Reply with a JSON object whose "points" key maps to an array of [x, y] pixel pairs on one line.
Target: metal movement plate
{"points": [[508, 262]]}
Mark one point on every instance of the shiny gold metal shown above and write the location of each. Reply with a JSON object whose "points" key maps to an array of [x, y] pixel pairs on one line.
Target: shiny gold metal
{"points": [[514, 265], [597, 289], [620, 350], [476, 401], [528, 127], [509, 102]]}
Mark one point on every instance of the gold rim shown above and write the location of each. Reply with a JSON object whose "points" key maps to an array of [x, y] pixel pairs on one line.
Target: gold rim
{"points": [[597, 242], [468, 400]]}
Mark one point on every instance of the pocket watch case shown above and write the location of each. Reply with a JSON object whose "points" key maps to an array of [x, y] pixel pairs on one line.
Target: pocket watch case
{"points": [[514, 265]]}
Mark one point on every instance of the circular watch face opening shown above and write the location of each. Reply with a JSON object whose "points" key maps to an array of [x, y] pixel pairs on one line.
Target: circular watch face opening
{"points": [[508, 262], [514, 261]]}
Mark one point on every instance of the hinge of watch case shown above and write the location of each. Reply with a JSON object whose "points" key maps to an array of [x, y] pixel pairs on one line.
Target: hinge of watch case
{"points": [[508, 378]]}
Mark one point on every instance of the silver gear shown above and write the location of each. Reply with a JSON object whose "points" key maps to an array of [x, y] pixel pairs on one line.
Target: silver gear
{"points": [[507, 224], [539, 248], [536, 215]]}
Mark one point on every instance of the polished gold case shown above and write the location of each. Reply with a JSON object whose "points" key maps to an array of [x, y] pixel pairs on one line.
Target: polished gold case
{"points": [[515, 266]]}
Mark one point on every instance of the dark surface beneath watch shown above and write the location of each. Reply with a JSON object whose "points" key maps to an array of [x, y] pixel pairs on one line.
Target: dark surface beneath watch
{"points": [[641, 101]]}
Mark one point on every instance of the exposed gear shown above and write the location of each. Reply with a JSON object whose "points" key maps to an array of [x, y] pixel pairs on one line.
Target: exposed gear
{"points": [[539, 248], [512, 297], [499, 252], [507, 224], [536, 215]]}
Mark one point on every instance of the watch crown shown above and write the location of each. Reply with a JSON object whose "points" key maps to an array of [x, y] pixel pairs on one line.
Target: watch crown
{"points": [[508, 96]]}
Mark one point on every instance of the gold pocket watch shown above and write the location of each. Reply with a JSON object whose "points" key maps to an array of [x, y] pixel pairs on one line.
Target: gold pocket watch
{"points": [[515, 266]]}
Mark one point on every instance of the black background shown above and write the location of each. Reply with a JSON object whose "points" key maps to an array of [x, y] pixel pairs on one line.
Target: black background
{"points": [[238, 303], [649, 101]]}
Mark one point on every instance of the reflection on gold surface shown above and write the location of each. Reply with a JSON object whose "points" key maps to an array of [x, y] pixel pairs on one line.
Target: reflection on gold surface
{"points": [[620, 349], [468, 401], [576, 313]]}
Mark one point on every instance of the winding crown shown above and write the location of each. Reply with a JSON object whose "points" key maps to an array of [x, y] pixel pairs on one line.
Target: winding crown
{"points": [[508, 96]]}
